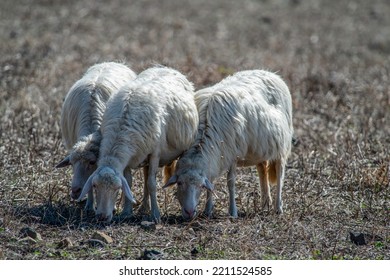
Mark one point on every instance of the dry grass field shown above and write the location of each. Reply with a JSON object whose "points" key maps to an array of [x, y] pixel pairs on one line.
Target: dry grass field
{"points": [[335, 57]]}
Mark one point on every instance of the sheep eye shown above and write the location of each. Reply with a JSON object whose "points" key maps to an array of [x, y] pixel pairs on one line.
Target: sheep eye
{"points": [[92, 162]]}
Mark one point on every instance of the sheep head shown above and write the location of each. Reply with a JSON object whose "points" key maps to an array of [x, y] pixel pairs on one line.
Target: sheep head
{"points": [[83, 159], [190, 185], [106, 182]]}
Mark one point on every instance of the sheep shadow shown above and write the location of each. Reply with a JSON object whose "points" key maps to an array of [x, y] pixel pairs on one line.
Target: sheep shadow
{"points": [[55, 215], [74, 217]]}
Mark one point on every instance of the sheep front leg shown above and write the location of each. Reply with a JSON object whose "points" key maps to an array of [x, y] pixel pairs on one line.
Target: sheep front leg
{"points": [[231, 179], [280, 178], [89, 208], [208, 210], [152, 186], [145, 206], [127, 211]]}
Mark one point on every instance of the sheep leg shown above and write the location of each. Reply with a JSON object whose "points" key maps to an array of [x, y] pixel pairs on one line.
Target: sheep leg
{"points": [[90, 201], [266, 200], [208, 211], [279, 165], [152, 186], [231, 179], [127, 205], [145, 206]]}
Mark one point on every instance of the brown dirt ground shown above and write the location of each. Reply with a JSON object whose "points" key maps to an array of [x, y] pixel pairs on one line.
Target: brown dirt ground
{"points": [[335, 57]]}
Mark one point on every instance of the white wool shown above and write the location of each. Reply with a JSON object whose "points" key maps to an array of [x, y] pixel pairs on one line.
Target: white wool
{"points": [[84, 105], [150, 122], [244, 120], [82, 114], [246, 117]]}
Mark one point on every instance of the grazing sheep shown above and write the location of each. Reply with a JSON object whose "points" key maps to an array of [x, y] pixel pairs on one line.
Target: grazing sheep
{"points": [[149, 122], [81, 116], [244, 120]]}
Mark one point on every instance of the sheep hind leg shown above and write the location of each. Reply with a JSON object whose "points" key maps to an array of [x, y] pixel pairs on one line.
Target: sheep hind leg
{"points": [[231, 179], [152, 187], [145, 205], [280, 170], [266, 200]]}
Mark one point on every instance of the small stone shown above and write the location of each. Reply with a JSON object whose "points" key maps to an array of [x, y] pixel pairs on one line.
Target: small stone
{"points": [[151, 255], [13, 34], [194, 252], [159, 226], [363, 238], [64, 243], [29, 232], [95, 243], [358, 238], [146, 225], [98, 235]]}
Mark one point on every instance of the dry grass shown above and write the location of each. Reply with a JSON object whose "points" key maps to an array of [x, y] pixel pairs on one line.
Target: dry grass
{"points": [[334, 56]]}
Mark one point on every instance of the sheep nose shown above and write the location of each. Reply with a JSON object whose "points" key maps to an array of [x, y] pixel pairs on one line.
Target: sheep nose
{"points": [[75, 193], [189, 214], [102, 217]]}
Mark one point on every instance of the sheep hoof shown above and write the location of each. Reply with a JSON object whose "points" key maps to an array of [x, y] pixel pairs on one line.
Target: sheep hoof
{"points": [[155, 217], [279, 211], [266, 203], [279, 207], [233, 213], [207, 214], [89, 211], [234, 216], [125, 215], [143, 209]]}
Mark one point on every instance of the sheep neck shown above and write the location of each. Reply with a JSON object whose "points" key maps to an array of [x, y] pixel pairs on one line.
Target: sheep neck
{"points": [[112, 162], [209, 155]]}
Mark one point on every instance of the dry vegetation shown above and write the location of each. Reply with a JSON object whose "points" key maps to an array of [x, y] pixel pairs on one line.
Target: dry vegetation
{"points": [[334, 55]]}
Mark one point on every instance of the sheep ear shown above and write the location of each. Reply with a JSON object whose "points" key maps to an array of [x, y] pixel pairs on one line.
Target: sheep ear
{"points": [[126, 190], [97, 136], [170, 182], [63, 163], [207, 185], [87, 187]]}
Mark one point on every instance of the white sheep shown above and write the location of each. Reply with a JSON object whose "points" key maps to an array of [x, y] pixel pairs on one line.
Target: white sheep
{"points": [[149, 122], [81, 116], [244, 120]]}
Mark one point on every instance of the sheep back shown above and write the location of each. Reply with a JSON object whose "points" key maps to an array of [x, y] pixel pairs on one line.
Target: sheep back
{"points": [[155, 111], [246, 117], [84, 104]]}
